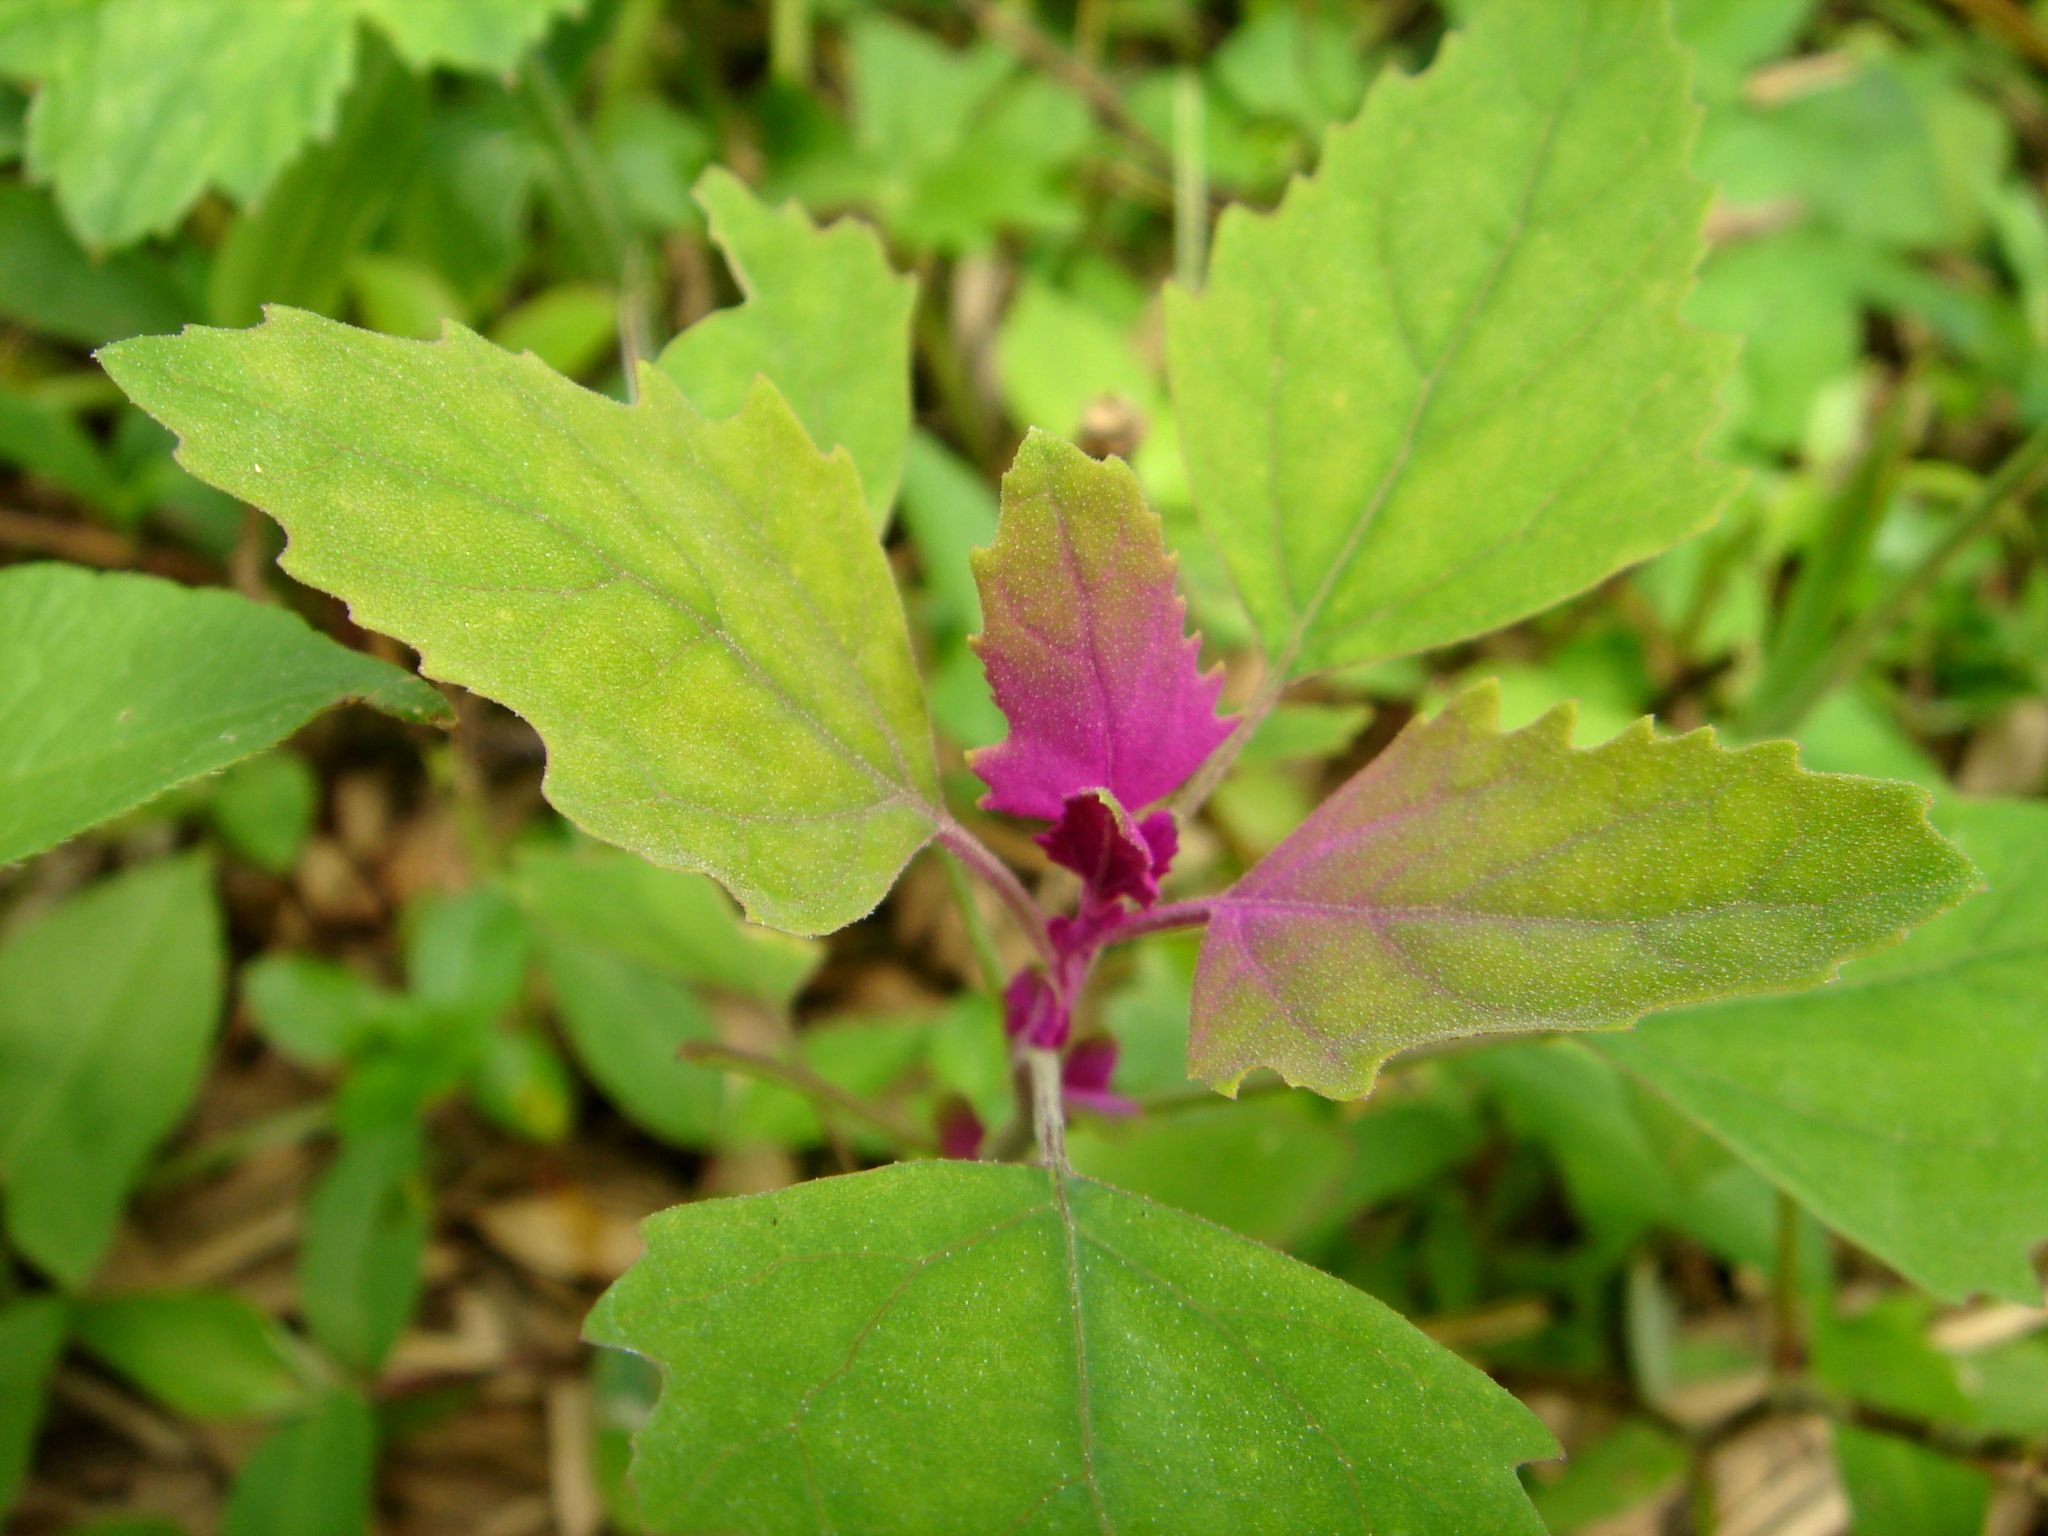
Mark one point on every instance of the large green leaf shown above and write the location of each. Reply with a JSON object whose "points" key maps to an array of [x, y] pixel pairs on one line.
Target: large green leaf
{"points": [[107, 1009], [1445, 384], [147, 103], [115, 688], [695, 615], [1902, 1105], [825, 318], [976, 1348], [1469, 881]]}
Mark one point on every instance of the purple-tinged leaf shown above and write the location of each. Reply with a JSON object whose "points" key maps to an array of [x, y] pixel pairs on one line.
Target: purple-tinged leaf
{"points": [[1085, 641], [1114, 858], [1470, 882], [1033, 1012], [1085, 1074]]}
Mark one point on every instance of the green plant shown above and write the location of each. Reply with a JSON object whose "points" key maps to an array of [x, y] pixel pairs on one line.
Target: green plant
{"points": [[1445, 386]]}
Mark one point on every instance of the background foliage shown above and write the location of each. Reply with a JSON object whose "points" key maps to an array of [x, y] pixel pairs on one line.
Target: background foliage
{"points": [[334, 1081]]}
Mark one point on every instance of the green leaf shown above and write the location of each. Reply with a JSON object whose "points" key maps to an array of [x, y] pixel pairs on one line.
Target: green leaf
{"points": [[366, 1232], [264, 809], [47, 282], [1267, 1170], [1445, 384], [1905, 1489], [625, 1020], [975, 1347], [31, 1338], [1470, 882], [680, 924], [119, 687], [1901, 1105], [311, 1477], [295, 247], [151, 102], [206, 1354], [826, 319], [314, 1010], [695, 615], [107, 1011]]}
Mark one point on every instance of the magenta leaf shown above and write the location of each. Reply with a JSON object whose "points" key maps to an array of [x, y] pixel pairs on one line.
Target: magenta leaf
{"points": [[1096, 840], [1469, 881], [1084, 642]]}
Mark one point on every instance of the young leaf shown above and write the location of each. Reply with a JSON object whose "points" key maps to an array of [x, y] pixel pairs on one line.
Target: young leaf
{"points": [[1084, 644], [978, 1347], [825, 317], [1901, 1105], [118, 687], [1471, 882], [1445, 384], [147, 103], [107, 1009], [695, 615]]}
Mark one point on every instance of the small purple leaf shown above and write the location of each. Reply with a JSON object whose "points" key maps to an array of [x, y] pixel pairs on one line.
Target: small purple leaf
{"points": [[1471, 881], [1033, 1013], [1084, 643], [1095, 839], [1085, 1074]]}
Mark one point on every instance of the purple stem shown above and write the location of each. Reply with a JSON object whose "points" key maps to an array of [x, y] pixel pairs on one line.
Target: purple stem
{"points": [[982, 861], [1175, 914]]}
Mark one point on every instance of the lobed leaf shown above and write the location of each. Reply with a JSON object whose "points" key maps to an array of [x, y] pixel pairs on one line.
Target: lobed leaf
{"points": [[1469, 881], [975, 1347], [825, 317], [695, 615], [107, 1009], [118, 687], [1901, 1105], [1084, 641], [1445, 385]]}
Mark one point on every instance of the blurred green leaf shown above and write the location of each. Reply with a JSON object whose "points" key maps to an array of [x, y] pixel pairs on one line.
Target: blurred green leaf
{"points": [[572, 327], [295, 246], [1620, 1471], [128, 686], [32, 1330], [264, 809], [1902, 1104], [312, 1476], [316, 1011], [151, 102], [677, 923], [1267, 1170], [207, 1354], [522, 1085], [365, 1235], [108, 1004], [1905, 1489]]}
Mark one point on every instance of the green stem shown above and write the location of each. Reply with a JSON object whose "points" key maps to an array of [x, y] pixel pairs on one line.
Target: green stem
{"points": [[1853, 647], [791, 1074], [1788, 1350], [1190, 182], [595, 215], [975, 854], [789, 42], [979, 939], [302, 1122]]}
